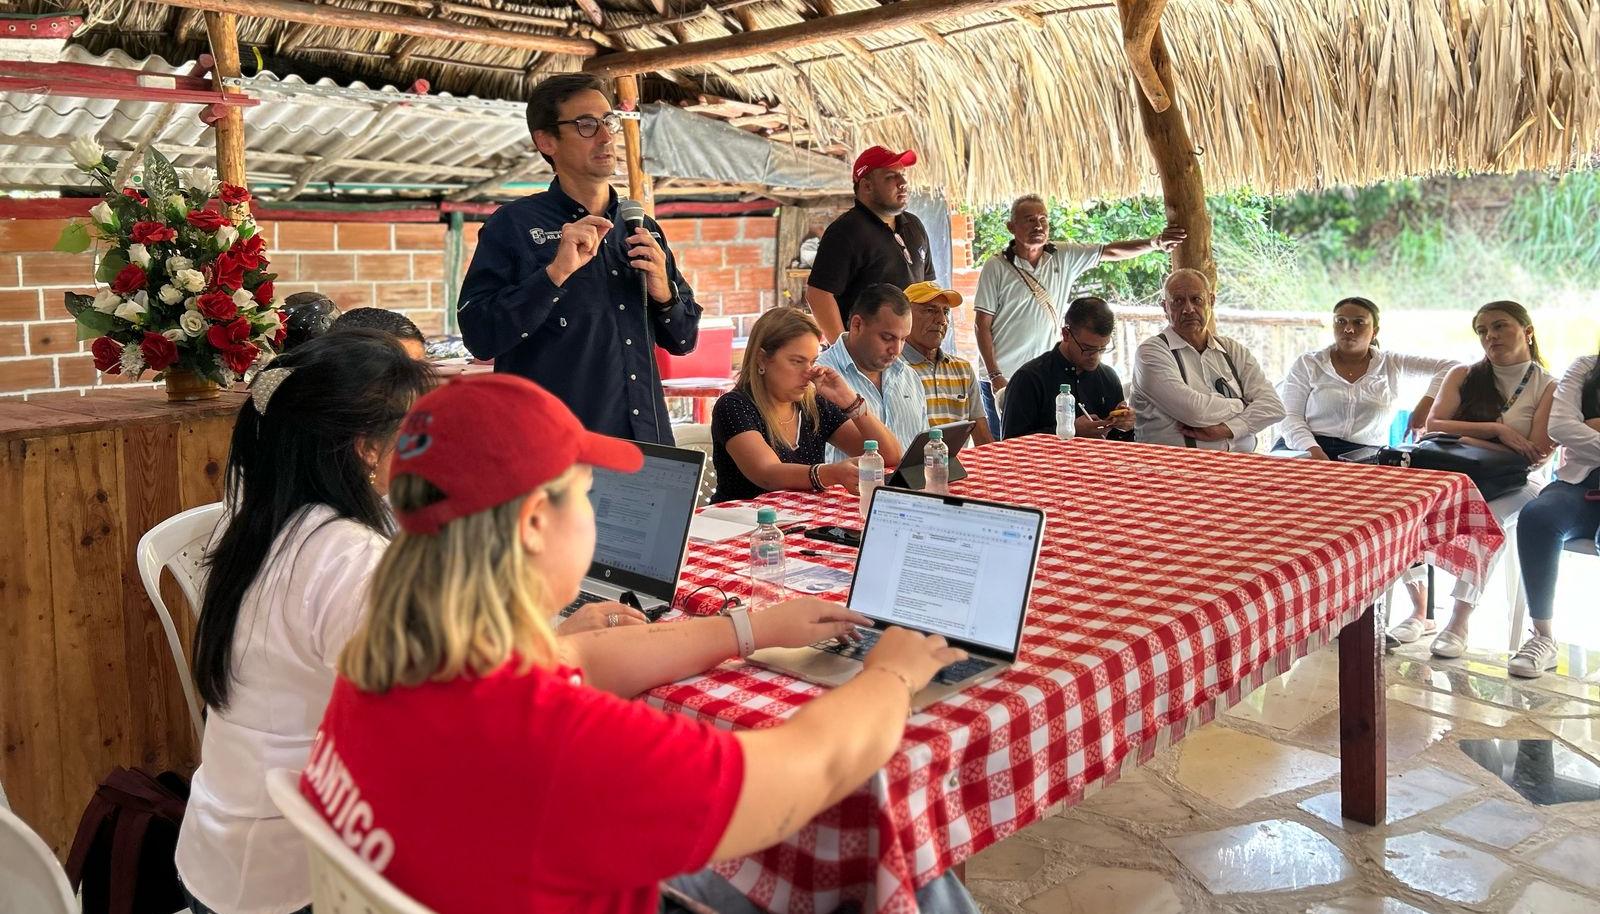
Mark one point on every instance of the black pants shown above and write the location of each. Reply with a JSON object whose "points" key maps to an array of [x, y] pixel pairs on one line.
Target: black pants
{"points": [[1333, 447]]}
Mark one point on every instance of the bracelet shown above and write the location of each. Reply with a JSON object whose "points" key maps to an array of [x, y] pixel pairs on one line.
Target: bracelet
{"points": [[816, 477], [911, 690], [855, 408]]}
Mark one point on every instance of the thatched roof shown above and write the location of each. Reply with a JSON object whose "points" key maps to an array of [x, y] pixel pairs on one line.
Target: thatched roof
{"points": [[1279, 94]]}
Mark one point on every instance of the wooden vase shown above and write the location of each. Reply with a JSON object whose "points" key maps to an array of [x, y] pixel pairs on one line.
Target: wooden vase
{"points": [[184, 386]]}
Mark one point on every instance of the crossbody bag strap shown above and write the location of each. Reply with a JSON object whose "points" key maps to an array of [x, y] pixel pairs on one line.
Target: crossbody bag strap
{"points": [[1040, 295], [1184, 375], [1521, 386], [1234, 370]]}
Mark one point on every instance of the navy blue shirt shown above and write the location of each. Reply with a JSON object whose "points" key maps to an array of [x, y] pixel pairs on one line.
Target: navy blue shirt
{"points": [[586, 341]]}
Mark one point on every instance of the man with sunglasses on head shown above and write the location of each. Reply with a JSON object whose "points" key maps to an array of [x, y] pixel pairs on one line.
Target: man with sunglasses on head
{"points": [[1075, 362], [875, 241], [562, 293], [1194, 387]]}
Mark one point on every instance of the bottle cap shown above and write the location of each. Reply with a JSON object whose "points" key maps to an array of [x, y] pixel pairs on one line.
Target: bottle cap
{"points": [[1066, 388], [767, 516], [935, 434], [869, 446]]}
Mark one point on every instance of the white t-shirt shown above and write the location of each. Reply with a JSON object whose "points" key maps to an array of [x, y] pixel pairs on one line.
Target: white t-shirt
{"points": [[1317, 400], [236, 854], [1022, 327]]}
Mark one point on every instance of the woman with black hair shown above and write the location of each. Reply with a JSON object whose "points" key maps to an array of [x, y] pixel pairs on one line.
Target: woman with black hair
{"points": [[1567, 509], [287, 573], [1502, 403]]}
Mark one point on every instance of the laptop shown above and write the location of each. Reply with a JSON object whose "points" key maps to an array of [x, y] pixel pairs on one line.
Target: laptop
{"points": [[909, 474], [940, 564], [641, 523]]}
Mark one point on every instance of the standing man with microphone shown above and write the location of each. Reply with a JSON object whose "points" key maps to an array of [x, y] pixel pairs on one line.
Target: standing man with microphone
{"points": [[572, 288]]}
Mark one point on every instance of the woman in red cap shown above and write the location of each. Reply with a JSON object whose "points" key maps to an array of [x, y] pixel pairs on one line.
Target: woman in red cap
{"points": [[480, 764]]}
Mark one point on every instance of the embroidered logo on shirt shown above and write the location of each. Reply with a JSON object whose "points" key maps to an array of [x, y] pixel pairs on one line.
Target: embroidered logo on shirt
{"points": [[540, 236]]}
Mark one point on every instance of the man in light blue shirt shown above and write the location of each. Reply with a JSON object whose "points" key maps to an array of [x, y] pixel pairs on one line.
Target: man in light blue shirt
{"points": [[867, 355]]}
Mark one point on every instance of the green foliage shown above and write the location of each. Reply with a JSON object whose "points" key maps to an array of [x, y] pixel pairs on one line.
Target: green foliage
{"points": [[74, 239], [1557, 226]]}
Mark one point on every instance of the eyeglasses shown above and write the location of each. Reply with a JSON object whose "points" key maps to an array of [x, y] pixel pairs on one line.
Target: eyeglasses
{"points": [[903, 249], [587, 126], [1091, 350]]}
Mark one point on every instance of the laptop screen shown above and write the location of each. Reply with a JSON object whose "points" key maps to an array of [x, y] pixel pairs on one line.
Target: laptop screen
{"points": [[949, 566], [641, 520]]}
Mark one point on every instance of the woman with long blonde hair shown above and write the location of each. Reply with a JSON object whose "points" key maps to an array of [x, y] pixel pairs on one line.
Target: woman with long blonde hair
{"points": [[771, 431], [480, 764]]}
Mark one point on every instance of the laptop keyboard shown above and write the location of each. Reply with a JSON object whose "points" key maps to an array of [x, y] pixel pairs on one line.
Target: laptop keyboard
{"points": [[868, 637], [584, 599]]}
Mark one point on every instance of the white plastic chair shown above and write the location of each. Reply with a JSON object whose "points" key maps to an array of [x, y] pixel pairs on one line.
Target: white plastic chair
{"points": [[341, 882], [698, 438], [1519, 602], [178, 545], [31, 879]]}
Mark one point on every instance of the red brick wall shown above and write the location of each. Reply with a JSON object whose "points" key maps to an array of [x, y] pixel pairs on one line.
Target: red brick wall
{"points": [[730, 263]]}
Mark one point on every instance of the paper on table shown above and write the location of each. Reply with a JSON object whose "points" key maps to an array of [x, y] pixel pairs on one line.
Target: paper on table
{"points": [[715, 529], [809, 577], [747, 516]]}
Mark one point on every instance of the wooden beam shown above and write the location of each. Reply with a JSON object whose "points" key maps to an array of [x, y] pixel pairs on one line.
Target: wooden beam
{"points": [[639, 187], [1140, 23], [364, 20], [903, 14], [223, 29], [857, 50], [592, 10], [1177, 164]]}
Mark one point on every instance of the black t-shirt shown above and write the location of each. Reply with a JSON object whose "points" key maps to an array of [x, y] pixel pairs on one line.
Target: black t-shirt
{"points": [[859, 250], [735, 413], [1030, 406]]}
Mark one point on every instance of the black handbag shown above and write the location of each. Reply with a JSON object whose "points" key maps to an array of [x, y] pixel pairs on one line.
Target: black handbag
{"points": [[1495, 472]]}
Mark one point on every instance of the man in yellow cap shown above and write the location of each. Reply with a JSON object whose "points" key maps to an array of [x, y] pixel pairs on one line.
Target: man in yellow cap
{"points": [[948, 382]]}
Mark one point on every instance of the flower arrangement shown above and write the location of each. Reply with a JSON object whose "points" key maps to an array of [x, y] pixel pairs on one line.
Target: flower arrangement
{"points": [[187, 287]]}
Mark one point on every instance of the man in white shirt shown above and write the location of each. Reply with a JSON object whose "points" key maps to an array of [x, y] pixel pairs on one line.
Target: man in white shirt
{"points": [[1024, 291], [1194, 387], [868, 357]]}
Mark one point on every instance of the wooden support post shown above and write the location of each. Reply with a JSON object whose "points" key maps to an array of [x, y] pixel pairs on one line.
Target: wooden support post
{"points": [[1363, 752], [223, 28], [1177, 163], [639, 185]]}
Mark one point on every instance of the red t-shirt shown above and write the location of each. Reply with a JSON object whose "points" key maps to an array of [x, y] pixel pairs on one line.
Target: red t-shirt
{"points": [[522, 793]]}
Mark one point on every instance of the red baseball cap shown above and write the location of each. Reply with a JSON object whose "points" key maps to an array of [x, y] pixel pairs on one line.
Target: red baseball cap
{"points": [[880, 157], [488, 439]]}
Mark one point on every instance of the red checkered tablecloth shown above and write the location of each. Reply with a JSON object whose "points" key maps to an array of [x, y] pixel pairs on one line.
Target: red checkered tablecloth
{"points": [[1171, 583]]}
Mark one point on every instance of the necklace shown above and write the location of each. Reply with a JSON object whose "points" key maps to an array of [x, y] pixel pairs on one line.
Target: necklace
{"points": [[1354, 373]]}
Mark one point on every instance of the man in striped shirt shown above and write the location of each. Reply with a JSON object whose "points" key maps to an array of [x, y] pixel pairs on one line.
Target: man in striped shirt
{"points": [[948, 381]]}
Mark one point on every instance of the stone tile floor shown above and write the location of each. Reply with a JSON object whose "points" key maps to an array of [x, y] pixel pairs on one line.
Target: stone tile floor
{"points": [[1243, 814]]}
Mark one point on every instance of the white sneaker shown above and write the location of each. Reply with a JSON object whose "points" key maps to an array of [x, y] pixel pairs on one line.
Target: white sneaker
{"points": [[1449, 645], [1536, 655], [1412, 630]]}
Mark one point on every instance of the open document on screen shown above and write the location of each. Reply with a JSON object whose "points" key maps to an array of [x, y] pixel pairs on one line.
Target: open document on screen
{"points": [[961, 570], [640, 518]]}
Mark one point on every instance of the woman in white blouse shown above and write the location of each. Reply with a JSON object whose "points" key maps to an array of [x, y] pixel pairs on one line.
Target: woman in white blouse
{"points": [[1502, 402]]}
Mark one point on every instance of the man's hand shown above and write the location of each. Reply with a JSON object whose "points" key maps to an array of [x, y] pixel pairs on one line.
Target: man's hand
{"points": [[1122, 418], [580, 241], [1088, 426], [997, 381], [1218, 432], [647, 257], [1170, 238]]}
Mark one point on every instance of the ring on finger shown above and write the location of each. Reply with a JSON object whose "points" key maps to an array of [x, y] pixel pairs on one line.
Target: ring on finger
{"points": [[611, 620]]}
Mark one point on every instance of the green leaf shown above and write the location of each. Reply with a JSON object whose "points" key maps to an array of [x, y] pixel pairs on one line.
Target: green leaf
{"points": [[110, 266], [92, 323], [74, 239], [160, 178], [77, 303]]}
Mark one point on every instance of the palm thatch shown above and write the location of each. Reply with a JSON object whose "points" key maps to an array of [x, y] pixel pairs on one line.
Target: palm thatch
{"points": [[1279, 94]]}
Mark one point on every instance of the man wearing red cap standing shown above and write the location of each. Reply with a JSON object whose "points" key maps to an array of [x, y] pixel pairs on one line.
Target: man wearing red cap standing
{"points": [[874, 241]]}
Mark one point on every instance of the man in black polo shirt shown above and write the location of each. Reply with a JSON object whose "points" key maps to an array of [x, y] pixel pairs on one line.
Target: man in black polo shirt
{"points": [[874, 241], [1030, 404]]}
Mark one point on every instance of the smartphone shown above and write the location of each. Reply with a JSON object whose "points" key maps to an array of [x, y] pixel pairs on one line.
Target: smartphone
{"points": [[839, 536]]}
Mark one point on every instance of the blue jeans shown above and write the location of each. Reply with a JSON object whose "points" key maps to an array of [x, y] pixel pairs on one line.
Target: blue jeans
{"points": [[986, 393], [1560, 513], [945, 895]]}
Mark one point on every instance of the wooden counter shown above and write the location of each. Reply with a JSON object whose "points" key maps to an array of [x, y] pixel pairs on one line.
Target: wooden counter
{"points": [[86, 679]]}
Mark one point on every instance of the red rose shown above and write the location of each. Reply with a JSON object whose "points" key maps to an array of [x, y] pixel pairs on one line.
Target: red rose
{"points": [[132, 194], [129, 280], [233, 194], [248, 251], [206, 221], [264, 292], [227, 272], [230, 335], [241, 357], [218, 306], [159, 352], [107, 355], [152, 233]]}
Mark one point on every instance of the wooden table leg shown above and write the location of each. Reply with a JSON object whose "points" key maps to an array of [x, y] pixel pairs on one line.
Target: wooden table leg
{"points": [[1363, 760]]}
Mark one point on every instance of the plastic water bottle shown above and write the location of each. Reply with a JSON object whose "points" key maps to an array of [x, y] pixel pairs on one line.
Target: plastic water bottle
{"points": [[1066, 413], [869, 473], [766, 561], [936, 463]]}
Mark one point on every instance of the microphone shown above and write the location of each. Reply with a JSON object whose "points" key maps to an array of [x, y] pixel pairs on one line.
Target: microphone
{"points": [[632, 215]]}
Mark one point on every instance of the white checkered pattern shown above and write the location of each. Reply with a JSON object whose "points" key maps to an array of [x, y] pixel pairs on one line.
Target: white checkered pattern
{"points": [[1172, 582]]}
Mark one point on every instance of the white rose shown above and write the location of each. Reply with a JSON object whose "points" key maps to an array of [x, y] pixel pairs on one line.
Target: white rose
{"points": [[177, 202], [177, 264], [270, 321], [139, 254], [174, 335], [86, 152], [191, 303], [130, 311], [243, 299], [188, 280], [102, 214], [132, 360], [200, 178], [192, 323], [107, 301], [226, 236], [169, 295]]}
